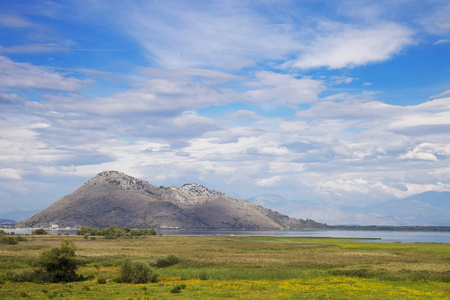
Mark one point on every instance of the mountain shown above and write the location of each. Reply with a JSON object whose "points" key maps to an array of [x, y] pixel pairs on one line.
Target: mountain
{"points": [[18, 214], [115, 199], [7, 222], [427, 209], [281, 204]]}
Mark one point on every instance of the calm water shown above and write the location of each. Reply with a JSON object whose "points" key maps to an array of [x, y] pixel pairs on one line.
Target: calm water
{"points": [[381, 236]]}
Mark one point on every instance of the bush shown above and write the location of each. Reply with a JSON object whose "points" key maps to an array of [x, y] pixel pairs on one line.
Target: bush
{"points": [[101, 280], [59, 264], [39, 231], [115, 232], [176, 289], [9, 240], [135, 272], [167, 261], [28, 276]]}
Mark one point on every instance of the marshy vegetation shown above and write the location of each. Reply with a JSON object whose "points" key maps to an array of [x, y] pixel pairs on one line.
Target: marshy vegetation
{"points": [[221, 267]]}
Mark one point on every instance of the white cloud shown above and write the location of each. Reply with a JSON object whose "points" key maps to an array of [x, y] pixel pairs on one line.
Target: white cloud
{"points": [[243, 114], [350, 109], [193, 74], [419, 155], [343, 46], [159, 97], [340, 80], [437, 21], [268, 181], [27, 76], [274, 150], [441, 42], [441, 95], [14, 21], [10, 173], [427, 151], [10, 99], [218, 35], [285, 89]]}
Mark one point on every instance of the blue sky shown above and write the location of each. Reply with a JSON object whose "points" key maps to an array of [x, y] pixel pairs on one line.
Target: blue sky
{"points": [[339, 103]]}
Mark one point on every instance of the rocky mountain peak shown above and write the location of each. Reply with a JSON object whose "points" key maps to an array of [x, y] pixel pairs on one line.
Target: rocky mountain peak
{"points": [[199, 190], [118, 179]]}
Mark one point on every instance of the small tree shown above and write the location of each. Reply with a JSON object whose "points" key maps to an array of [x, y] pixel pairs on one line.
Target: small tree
{"points": [[59, 264], [39, 231], [167, 261], [136, 272]]}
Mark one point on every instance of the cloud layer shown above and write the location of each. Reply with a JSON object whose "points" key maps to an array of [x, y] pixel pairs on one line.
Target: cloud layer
{"points": [[296, 102]]}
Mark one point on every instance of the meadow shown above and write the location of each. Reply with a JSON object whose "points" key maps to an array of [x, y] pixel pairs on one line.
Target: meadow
{"points": [[231, 267]]}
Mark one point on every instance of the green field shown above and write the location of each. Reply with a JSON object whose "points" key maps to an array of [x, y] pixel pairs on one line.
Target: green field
{"points": [[229, 267]]}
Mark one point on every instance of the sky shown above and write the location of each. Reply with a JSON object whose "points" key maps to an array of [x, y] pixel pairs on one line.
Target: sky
{"points": [[332, 103]]}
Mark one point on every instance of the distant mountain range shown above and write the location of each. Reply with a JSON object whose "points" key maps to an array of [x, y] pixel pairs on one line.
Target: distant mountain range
{"points": [[425, 209], [115, 199], [429, 208], [7, 222], [18, 215]]}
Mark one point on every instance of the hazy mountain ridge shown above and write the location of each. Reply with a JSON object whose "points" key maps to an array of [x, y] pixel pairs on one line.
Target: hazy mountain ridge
{"points": [[115, 199], [425, 209], [428, 208], [7, 222]]}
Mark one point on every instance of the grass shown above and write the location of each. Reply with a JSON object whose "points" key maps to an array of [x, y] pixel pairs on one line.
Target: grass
{"points": [[221, 267]]}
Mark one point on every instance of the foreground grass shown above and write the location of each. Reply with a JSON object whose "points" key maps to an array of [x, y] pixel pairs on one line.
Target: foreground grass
{"points": [[220, 267]]}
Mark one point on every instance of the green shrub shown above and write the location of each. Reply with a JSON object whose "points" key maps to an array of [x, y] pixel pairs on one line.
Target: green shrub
{"points": [[9, 240], [101, 280], [135, 272], [59, 264], [28, 276], [176, 289], [39, 231], [167, 261], [24, 294]]}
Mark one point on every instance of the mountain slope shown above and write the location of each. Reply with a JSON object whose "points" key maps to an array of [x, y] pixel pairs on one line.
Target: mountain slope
{"points": [[115, 199]]}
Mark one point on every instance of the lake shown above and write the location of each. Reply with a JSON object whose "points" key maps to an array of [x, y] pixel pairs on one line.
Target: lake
{"points": [[364, 235]]}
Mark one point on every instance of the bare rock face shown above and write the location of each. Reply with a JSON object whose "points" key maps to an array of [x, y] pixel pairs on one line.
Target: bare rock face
{"points": [[113, 198]]}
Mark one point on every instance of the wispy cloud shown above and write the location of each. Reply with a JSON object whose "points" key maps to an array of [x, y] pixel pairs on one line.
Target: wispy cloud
{"points": [[14, 21], [342, 46], [27, 76]]}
